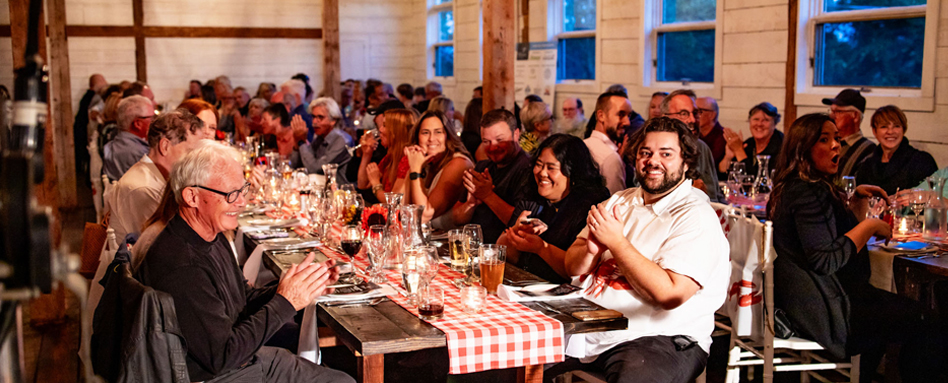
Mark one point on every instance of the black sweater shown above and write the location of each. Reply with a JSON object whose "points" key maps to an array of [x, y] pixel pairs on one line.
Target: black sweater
{"points": [[905, 170], [224, 322]]}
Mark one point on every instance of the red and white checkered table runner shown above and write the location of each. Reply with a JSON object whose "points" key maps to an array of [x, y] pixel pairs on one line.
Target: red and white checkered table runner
{"points": [[503, 335]]}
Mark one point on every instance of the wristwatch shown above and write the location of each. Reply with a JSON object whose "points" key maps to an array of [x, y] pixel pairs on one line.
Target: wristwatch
{"points": [[414, 175]]}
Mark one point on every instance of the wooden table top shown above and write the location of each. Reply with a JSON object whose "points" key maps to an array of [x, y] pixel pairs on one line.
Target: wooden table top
{"points": [[934, 265]]}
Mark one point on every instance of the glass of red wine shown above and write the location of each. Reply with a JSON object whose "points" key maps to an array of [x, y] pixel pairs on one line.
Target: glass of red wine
{"points": [[351, 244]]}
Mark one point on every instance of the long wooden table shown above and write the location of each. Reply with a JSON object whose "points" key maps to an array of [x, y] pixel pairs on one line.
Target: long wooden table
{"points": [[915, 278], [371, 332]]}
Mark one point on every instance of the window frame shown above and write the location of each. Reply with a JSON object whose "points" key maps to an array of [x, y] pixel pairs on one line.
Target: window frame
{"points": [[555, 32], [910, 99], [434, 40], [648, 50]]}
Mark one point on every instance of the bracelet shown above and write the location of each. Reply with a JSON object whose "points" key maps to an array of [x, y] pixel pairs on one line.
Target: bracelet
{"points": [[376, 188]]}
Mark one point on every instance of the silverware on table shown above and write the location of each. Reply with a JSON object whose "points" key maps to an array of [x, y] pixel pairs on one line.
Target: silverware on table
{"points": [[550, 308], [360, 302]]}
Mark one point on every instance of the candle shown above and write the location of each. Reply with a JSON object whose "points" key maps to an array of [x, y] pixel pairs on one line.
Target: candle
{"points": [[473, 298], [903, 226]]}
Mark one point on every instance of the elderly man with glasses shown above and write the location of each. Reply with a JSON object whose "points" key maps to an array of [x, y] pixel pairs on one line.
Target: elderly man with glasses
{"points": [[680, 105], [847, 110], [134, 115], [224, 321]]}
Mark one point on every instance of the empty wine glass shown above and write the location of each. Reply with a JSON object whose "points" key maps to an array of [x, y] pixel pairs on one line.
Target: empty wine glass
{"points": [[849, 186], [475, 238], [877, 206], [373, 132], [917, 201], [377, 251], [427, 263]]}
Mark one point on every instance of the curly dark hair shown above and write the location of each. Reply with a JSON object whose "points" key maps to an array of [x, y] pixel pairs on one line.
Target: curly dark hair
{"points": [[686, 140], [576, 163]]}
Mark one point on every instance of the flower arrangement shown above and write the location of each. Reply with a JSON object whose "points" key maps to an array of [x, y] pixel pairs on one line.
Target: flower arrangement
{"points": [[374, 215]]}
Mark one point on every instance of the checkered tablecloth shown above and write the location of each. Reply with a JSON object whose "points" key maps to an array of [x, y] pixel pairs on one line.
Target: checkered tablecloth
{"points": [[503, 335]]}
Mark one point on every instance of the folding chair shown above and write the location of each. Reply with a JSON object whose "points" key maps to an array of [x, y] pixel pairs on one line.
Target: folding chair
{"points": [[750, 306]]}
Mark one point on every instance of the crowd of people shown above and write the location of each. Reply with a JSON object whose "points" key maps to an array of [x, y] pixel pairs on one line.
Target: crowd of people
{"points": [[616, 202]]}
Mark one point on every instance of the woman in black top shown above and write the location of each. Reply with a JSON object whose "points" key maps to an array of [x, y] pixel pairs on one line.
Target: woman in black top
{"points": [[566, 183], [821, 273], [894, 164], [765, 140]]}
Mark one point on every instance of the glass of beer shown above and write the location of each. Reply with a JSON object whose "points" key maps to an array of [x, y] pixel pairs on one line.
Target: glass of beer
{"points": [[492, 258], [458, 246]]}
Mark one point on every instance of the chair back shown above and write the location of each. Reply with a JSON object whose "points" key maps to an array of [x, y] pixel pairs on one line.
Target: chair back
{"points": [[751, 283]]}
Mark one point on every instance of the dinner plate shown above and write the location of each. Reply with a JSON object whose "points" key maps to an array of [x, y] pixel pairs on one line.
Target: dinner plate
{"points": [[909, 247], [273, 222]]}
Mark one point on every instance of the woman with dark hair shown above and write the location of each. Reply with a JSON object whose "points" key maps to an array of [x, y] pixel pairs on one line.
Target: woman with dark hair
{"points": [[765, 140], [821, 273], [566, 183], [894, 164], [436, 164]]}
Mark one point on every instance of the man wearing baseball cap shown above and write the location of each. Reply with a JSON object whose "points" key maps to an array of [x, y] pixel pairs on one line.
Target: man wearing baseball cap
{"points": [[847, 109]]}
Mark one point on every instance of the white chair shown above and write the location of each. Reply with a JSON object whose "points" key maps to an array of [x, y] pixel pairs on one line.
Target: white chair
{"points": [[752, 312]]}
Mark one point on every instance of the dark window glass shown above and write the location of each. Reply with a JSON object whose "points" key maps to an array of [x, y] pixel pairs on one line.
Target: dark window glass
{"points": [[854, 5], [579, 15], [438, 2], [444, 61], [686, 56], [445, 26], [576, 59], [677, 11], [883, 53]]}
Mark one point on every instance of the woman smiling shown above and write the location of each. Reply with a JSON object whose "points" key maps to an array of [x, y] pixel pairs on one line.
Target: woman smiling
{"points": [[894, 164], [436, 162], [765, 139], [566, 185]]}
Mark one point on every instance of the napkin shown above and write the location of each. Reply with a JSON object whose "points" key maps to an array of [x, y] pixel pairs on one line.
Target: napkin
{"points": [[515, 294]]}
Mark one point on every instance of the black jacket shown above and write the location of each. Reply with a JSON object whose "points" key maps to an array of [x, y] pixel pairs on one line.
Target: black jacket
{"points": [[907, 168], [817, 268], [136, 336]]}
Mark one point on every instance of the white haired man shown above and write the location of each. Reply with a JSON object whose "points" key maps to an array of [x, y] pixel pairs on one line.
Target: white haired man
{"points": [[223, 321], [134, 115], [329, 141]]}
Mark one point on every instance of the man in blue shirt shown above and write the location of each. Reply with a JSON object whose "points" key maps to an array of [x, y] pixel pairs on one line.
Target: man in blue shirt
{"points": [[134, 115]]}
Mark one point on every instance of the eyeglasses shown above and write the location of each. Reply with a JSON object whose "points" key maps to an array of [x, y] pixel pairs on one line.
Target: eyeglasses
{"points": [[230, 197], [701, 110], [684, 114]]}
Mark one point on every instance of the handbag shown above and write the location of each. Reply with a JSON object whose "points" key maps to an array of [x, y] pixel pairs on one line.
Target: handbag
{"points": [[93, 238]]}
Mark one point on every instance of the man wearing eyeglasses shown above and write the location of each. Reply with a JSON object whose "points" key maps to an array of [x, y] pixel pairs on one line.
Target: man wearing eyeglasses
{"points": [[134, 115], [680, 105], [847, 110], [223, 321]]}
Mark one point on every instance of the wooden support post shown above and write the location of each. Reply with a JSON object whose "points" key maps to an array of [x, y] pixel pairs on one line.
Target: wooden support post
{"points": [[49, 308], [789, 106], [499, 54], [525, 12], [138, 20], [530, 374], [331, 65], [371, 368], [60, 104]]}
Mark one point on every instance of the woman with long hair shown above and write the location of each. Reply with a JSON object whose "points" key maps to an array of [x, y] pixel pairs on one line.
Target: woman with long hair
{"points": [[206, 112], [389, 174], [436, 163], [566, 183], [821, 274]]}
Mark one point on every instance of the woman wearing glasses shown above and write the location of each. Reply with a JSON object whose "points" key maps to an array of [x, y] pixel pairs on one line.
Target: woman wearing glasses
{"points": [[765, 140]]}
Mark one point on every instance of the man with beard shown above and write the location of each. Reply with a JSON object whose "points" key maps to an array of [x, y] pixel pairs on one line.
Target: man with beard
{"points": [[655, 253], [495, 185], [613, 110], [680, 105], [574, 118]]}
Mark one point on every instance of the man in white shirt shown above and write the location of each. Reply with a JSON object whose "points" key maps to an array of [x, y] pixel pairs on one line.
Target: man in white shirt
{"points": [[136, 196], [612, 111], [657, 255]]}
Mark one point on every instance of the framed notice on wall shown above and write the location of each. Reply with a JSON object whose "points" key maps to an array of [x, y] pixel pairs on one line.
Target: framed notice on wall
{"points": [[535, 71]]}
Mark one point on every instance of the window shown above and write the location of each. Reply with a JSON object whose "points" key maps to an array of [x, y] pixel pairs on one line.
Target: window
{"points": [[684, 41], [885, 48], [862, 50], [576, 40], [441, 37]]}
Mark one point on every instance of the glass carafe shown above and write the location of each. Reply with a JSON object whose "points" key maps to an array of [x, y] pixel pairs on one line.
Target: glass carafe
{"points": [[411, 227], [936, 222], [393, 233], [763, 184], [329, 170]]}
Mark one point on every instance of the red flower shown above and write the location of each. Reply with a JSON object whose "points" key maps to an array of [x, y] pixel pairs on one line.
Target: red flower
{"points": [[374, 215]]}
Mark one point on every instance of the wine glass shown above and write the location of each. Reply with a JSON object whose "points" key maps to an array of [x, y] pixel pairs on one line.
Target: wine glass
{"points": [[877, 206], [428, 262], [351, 244], [412, 274], [378, 252], [849, 186], [373, 132], [917, 201]]}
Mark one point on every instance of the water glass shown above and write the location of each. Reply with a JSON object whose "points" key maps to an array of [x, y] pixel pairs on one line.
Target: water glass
{"points": [[394, 199], [473, 298], [492, 259], [378, 252], [474, 239], [431, 303], [458, 248]]}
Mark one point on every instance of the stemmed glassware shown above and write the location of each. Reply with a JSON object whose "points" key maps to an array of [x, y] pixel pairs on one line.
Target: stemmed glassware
{"points": [[849, 187], [474, 240], [418, 270], [351, 244], [378, 251], [877, 206], [373, 132], [917, 201]]}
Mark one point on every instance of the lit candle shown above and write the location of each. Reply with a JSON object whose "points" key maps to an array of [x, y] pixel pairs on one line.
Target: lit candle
{"points": [[473, 298], [903, 226]]}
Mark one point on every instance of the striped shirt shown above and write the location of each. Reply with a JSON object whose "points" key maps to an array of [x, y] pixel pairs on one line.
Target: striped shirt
{"points": [[855, 149]]}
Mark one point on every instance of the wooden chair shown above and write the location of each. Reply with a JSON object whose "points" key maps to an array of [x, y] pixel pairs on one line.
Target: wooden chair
{"points": [[760, 347]]}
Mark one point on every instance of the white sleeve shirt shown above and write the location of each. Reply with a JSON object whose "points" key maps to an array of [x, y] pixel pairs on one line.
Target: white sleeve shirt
{"points": [[606, 155]]}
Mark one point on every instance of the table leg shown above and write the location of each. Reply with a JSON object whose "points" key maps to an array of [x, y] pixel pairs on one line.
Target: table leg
{"points": [[371, 368], [530, 374]]}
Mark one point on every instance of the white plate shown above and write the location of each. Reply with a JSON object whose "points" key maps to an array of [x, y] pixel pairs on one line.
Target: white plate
{"points": [[897, 247]]}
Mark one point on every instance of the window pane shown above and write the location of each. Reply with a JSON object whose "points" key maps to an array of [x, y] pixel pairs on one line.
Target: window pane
{"points": [[576, 59], [445, 26], [676, 11], [852, 5], [870, 53], [438, 2], [444, 61], [579, 15], [686, 56]]}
